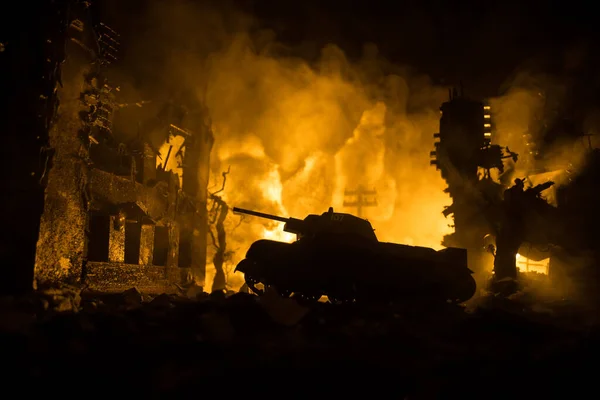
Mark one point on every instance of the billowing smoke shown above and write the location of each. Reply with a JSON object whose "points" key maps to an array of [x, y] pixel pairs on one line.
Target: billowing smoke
{"points": [[541, 117], [296, 133]]}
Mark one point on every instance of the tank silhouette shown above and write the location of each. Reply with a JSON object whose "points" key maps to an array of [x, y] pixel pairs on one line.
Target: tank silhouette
{"points": [[339, 256]]}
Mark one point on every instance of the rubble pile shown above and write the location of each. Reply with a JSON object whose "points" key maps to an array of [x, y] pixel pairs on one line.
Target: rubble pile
{"points": [[175, 344]]}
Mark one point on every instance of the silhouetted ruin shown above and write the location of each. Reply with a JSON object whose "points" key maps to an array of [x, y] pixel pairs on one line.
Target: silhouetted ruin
{"points": [[31, 57], [523, 225], [463, 151], [112, 218]]}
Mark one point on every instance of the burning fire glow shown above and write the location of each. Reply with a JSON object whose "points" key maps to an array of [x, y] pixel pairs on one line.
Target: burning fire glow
{"points": [[295, 136], [272, 189], [526, 265], [408, 206], [172, 152]]}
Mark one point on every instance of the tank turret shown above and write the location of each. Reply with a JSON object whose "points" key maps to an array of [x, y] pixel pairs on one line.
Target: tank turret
{"points": [[339, 256], [329, 222]]}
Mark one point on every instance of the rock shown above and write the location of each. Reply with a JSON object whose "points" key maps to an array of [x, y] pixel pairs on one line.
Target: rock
{"points": [[7, 301], [86, 324], [58, 299], [45, 304], [539, 308], [283, 311], [217, 327], [162, 301], [132, 297], [195, 292], [90, 306], [218, 295], [51, 292], [15, 321], [202, 339], [146, 298], [178, 299], [63, 304]]}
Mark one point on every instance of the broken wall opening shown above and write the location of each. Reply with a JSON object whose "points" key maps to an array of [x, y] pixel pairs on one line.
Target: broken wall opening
{"points": [[133, 238], [161, 246], [99, 233], [185, 248], [111, 160], [138, 160]]}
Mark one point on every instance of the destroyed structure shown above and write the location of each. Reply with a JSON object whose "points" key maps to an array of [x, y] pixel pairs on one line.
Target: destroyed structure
{"points": [[465, 155], [30, 62], [483, 207], [523, 224], [112, 218]]}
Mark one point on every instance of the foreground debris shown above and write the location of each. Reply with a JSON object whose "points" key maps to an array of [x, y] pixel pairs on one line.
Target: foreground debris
{"points": [[170, 345]]}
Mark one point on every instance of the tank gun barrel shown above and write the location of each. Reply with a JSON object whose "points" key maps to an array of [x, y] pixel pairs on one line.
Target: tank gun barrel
{"points": [[538, 189], [260, 215], [292, 225]]}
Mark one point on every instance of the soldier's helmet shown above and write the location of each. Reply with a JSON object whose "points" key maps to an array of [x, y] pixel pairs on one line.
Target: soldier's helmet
{"points": [[519, 182]]}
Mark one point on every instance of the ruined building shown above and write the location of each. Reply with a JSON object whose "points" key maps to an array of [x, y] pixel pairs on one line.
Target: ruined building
{"points": [[465, 155], [556, 240], [115, 215], [31, 54]]}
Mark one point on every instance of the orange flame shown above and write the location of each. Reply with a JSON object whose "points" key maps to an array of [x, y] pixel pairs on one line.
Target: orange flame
{"points": [[409, 214]]}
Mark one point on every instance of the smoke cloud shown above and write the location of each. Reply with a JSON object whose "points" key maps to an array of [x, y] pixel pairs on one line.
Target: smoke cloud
{"points": [[535, 118], [296, 133]]}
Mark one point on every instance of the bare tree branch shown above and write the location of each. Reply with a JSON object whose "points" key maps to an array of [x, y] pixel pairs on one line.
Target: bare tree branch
{"points": [[218, 212], [213, 212], [224, 181], [213, 239], [242, 218]]}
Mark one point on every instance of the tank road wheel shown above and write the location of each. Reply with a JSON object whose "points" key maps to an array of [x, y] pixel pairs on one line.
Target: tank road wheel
{"points": [[306, 298], [344, 294], [339, 299], [252, 282], [464, 291], [311, 297], [283, 292]]}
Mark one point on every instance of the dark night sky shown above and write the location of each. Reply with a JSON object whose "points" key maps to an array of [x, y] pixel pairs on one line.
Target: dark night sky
{"points": [[479, 42]]}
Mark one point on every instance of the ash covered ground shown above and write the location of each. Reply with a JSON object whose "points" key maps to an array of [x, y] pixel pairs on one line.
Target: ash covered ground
{"points": [[162, 346]]}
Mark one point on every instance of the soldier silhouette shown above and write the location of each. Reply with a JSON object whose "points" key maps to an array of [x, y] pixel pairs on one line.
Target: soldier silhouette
{"points": [[510, 237]]}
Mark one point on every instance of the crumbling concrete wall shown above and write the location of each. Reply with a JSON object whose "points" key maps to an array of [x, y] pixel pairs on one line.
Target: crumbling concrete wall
{"points": [[149, 165], [32, 44], [62, 242], [114, 278], [201, 227], [147, 244], [80, 189], [194, 222], [116, 239], [173, 254], [106, 187]]}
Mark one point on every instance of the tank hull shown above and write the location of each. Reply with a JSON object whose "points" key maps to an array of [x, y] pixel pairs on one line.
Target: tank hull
{"points": [[354, 270]]}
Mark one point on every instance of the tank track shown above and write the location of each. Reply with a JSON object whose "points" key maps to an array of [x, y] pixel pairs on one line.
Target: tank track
{"points": [[351, 296]]}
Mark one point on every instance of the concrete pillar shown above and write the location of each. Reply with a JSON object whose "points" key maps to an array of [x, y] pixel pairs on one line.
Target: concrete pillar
{"points": [[199, 244], [61, 243], [149, 164], [116, 239], [29, 103], [147, 244], [173, 256]]}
